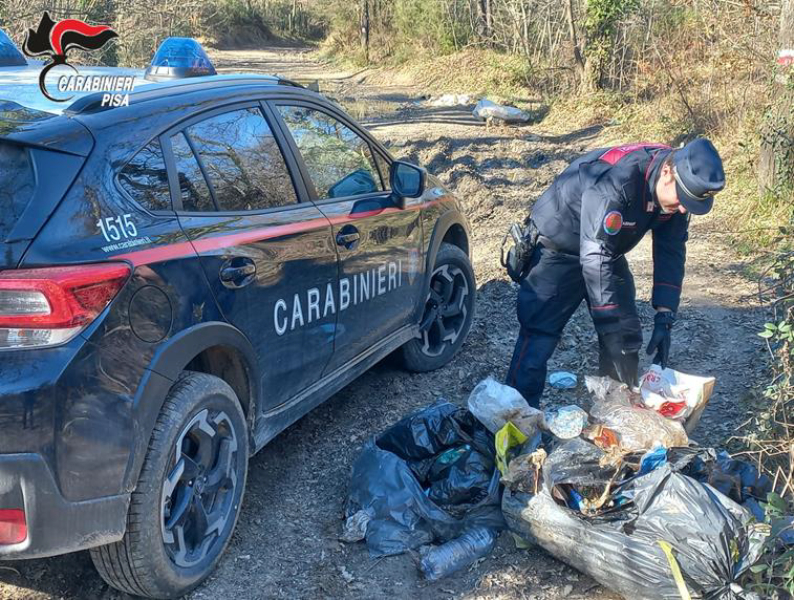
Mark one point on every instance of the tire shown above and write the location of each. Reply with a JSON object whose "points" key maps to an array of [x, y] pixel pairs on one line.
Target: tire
{"points": [[449, 310], [187, 500]]}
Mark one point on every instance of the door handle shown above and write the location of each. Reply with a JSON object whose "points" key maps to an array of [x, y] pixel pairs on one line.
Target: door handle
{"points": [[233, 274], [344, 239]]}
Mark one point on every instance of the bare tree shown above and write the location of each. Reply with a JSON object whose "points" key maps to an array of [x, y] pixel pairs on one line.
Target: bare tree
{"points": [[485, 26], [577, 51], [365, 28], [775, 170]]}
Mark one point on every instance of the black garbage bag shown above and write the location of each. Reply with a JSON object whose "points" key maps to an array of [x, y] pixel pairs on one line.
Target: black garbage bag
{"points": [[737, 479], [744, 477], [388, 478], [462, 482], [733, 478], [659, 519], [428, 432]]}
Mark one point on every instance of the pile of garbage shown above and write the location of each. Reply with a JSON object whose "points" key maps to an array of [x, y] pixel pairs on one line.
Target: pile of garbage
{"points": [[429, 478], [644, 526], [616, 491]]}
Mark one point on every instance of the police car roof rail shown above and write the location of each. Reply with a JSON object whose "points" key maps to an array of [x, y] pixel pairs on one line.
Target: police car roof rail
{"points": [[93, 102]]}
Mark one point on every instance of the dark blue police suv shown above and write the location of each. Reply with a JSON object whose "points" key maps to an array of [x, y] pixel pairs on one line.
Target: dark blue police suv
{"points": [[186, 270]]}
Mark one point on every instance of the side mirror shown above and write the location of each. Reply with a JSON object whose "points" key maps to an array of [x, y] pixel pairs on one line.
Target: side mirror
{"points": [[407, 180]]}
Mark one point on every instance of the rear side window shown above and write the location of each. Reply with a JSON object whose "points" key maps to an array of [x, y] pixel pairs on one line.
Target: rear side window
{"points": [[17, 185], [145, 179], [242, 161], [338, 160], [192, 186]]}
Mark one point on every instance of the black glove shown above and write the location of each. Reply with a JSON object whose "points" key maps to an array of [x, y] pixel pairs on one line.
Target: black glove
{"points": [[626, 364], [660, 338]]}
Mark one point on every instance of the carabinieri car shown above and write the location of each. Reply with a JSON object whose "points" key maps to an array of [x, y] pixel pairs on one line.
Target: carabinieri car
{"points": [[185, 272]]}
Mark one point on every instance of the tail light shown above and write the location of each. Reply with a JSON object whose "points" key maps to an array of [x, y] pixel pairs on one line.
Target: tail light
{"points": [[13, 528], [45, 307]]}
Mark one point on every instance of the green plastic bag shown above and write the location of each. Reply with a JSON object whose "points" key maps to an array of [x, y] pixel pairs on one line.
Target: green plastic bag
{"points": [[509, 440]]}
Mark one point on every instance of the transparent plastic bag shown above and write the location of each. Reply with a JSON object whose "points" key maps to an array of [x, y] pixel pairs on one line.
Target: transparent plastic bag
{"points": [[622, 411], [567, 422], [495, 404], [606, 389]]}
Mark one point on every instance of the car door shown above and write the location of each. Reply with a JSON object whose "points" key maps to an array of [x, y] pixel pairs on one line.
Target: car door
{"points": [[379, 243], [270, 259]]}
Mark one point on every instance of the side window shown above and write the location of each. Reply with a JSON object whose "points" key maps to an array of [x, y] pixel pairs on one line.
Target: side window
{"points": [[339, 161], [242, 161], [145, 178], [193, 188]]}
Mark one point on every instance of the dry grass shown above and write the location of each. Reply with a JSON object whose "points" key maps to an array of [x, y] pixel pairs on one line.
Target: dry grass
{"points": [[473, 71], [725, 103]]}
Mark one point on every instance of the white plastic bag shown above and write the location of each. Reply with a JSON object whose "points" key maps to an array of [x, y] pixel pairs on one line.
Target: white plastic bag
{"points": [[674, 394], [494, 404], [452, 100], [485, 109]]}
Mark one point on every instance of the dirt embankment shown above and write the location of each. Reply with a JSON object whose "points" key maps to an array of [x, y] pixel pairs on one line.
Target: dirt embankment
{"points": [[286, 543]]}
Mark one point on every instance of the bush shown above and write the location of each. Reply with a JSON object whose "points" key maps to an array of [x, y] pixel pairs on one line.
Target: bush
{"points": [[769, 436], [143, 24]]}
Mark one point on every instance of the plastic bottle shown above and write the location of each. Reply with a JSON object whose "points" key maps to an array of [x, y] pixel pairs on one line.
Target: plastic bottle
{"points": [[444, 560]]}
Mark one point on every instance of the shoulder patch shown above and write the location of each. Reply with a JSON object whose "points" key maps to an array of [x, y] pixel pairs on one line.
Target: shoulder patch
{"points": [[613, 222]]}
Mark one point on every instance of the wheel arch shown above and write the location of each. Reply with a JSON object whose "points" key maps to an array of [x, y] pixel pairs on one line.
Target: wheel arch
{"points": [[450, 227], [457, 236], [215, 348]]}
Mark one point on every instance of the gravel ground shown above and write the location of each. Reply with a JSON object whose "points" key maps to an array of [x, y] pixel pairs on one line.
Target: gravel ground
{"points": [[286, 542]]}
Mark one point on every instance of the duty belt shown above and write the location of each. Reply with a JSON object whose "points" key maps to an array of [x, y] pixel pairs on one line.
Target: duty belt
{"points": [[547, 243]]}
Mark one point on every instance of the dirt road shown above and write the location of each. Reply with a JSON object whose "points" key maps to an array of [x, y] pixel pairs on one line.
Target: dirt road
{"points": [[286, 542]]}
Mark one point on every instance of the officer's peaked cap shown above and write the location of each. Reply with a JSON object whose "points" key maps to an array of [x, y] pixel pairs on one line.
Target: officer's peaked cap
{"points": [[698, 175]]}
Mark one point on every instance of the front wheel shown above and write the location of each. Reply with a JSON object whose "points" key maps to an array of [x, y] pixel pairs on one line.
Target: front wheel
{"points": [[185, 506], [448, 312]]}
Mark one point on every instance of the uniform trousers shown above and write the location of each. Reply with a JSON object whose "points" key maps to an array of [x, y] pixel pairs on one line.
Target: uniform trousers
{"points": [[549, 294]]}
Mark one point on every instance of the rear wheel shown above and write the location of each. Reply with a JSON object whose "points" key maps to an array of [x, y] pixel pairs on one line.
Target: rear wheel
{"points": [[448, 313], [185, 506]]}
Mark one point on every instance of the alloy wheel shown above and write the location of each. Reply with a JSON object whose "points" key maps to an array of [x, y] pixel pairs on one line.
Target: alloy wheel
{"points": [[445, 310], [199, 490]]}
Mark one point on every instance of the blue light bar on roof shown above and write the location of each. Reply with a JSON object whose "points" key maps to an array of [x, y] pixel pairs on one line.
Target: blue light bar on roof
{"points": [[10, 56], [178, 58]]}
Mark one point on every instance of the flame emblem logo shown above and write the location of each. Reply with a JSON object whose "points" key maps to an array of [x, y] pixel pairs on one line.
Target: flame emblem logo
{"points": [[54, 40]]}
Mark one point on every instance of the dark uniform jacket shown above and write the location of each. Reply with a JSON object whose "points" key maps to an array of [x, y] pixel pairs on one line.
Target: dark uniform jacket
{"points": [[600, 207]]}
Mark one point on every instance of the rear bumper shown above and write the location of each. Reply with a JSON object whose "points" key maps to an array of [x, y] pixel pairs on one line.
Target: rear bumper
{"points": [[55, 525]]}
